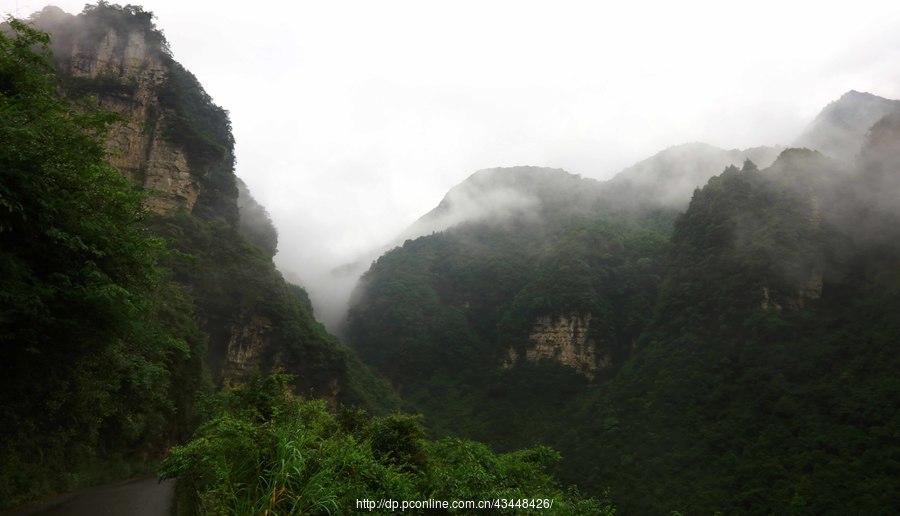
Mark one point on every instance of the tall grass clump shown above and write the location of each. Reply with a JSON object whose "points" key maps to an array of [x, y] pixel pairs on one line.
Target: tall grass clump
{"points": [[268, 451]]}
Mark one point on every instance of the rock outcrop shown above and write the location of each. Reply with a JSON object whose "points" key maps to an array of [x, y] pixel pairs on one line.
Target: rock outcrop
{"points": [[563, 340], [245, 347], [124, 67]]}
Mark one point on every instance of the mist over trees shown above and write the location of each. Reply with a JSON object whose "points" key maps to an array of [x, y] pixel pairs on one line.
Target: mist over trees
{"points": [[709, 331], [735, 356]]}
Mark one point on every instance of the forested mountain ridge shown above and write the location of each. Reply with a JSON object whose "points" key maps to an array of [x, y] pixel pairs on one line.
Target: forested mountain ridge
{"points": [[669, 178], [664, 182], [840, 128], [767, 378], [737, 357], [532, 228]]}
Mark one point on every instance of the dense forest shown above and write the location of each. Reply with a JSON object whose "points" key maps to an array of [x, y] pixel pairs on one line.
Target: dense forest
{"points": [[736, 357], [711, 331]]}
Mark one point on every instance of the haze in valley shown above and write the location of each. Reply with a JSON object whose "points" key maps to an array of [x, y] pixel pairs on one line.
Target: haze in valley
{"points": [[353, 119]]}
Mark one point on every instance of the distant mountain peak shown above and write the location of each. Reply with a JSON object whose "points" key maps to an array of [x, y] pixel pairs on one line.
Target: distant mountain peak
{"points": [[860, 94], [500, 192], [840, 128], [669, 177]]}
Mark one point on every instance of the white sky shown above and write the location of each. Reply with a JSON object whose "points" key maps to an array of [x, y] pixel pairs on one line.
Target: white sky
{"points": [[354, 118]]}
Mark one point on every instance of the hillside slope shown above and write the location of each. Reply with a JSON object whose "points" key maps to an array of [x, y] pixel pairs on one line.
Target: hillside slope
{"points": [[766, 380], [737, 357]]}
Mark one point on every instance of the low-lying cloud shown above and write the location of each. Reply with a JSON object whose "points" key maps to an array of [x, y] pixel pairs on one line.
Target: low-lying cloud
{"points": [[353, 119]]}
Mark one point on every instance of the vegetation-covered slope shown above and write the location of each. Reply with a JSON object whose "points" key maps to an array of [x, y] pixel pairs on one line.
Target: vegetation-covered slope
{"points": [[460, 320], [742, 359], [767, 381]]}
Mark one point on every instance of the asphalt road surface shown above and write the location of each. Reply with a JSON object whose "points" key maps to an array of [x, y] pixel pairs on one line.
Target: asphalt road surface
{"points": [[138, 497]]}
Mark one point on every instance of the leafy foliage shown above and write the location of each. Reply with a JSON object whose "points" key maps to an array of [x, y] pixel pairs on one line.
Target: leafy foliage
{"points": [[255, 225], [100, 357], [270, 452]]}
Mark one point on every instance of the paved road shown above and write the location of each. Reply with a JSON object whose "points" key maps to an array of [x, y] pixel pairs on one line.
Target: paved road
{"points": [[139, 497]]}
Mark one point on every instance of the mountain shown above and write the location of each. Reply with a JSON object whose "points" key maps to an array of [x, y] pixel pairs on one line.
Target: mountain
{"points": [[764, 380], [136, 269], [727, 349], [175, 143], [840, 129], [561, 278], [669, 178], [664, 181], [500, 194]]}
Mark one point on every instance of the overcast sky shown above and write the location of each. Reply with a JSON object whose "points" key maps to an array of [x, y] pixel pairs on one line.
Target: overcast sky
{"points": [[352, 119]]}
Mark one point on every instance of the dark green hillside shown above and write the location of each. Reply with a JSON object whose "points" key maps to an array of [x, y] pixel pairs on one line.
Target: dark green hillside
{"points": [[441, 315], [234, 285], [748, 350], [759, 388]]}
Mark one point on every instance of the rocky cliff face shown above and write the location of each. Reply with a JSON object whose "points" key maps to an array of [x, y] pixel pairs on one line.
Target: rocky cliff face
{"points": [[120, 60], [563, 340], [244, 348]]}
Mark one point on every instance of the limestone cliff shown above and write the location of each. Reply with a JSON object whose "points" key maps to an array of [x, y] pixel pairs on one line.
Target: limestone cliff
{"points": [[563, 340], [244, 348], [119, 59], [810, 289]]}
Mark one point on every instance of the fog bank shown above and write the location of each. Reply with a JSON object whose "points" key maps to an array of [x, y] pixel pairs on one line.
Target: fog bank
{"points": [[353, 119]]}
